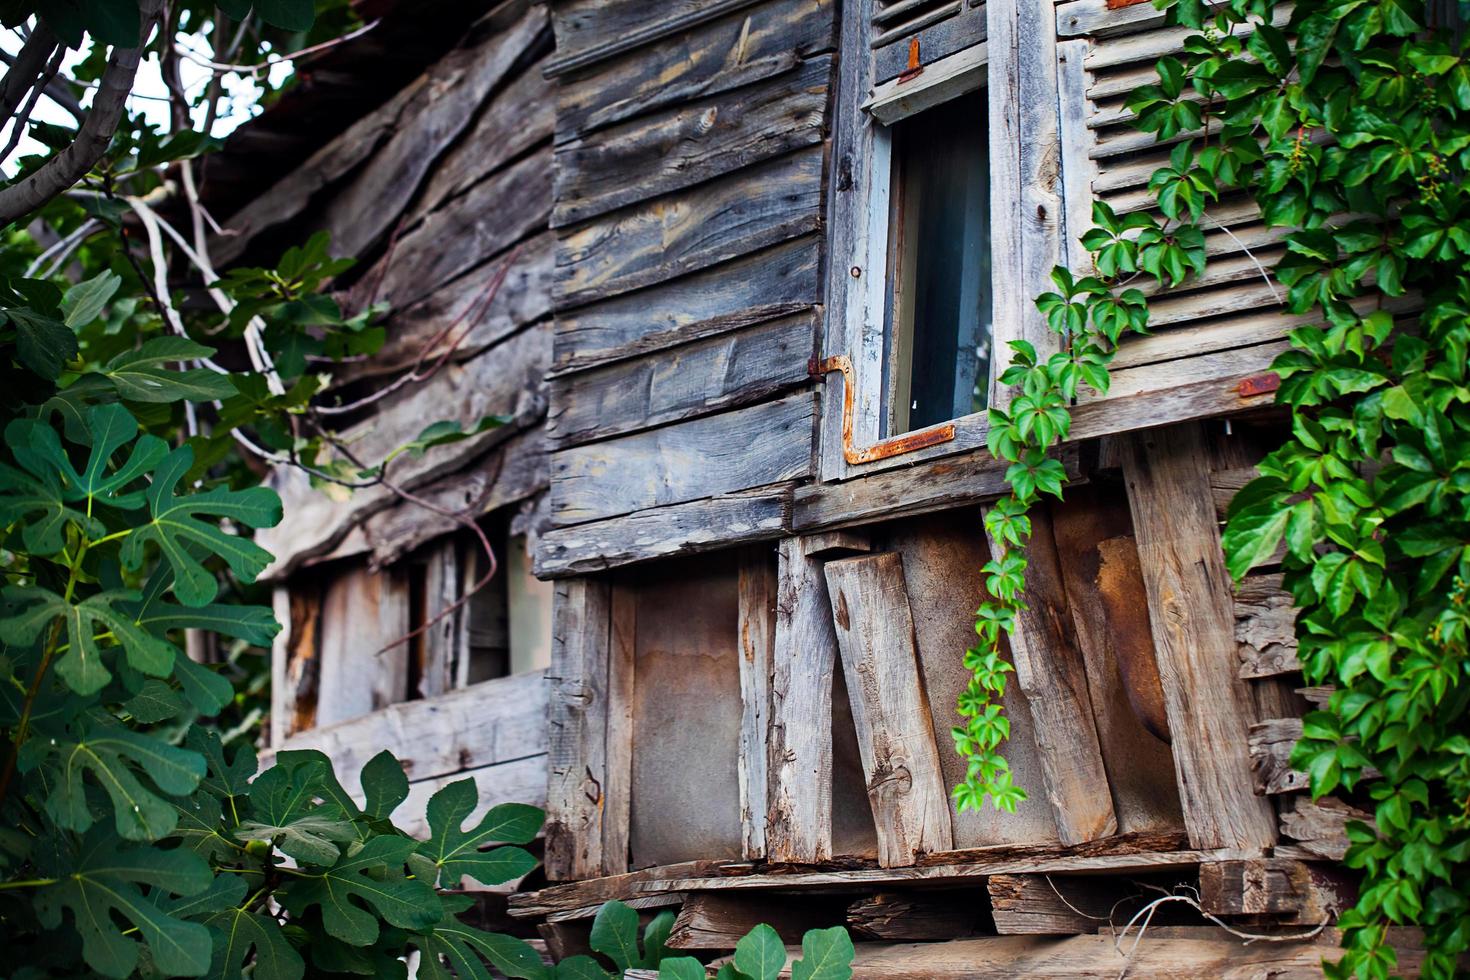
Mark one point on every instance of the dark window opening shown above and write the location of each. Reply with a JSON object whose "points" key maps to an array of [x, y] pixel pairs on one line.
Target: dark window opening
{"points": [[937, 353]]}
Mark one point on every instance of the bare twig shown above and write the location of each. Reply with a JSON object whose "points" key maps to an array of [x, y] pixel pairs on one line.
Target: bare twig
{"points": [[23, 70], [1249, 254], [265, 66], [71, 164], [62, 249], [57, 90], [19, 123]]}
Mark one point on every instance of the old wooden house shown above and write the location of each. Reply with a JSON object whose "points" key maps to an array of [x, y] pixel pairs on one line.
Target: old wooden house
{"points": [[734, 272]]}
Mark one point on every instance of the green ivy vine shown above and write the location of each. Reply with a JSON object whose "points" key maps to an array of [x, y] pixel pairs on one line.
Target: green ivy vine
{"points": [[1350, 127]]}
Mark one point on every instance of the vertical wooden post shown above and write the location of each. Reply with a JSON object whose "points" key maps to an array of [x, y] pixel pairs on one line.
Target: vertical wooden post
{"points": [[757, 592], [799, 767], [1192, 615], [875, 632], [280, 659], [617, 807], [1051, 671], [577, 720], [443, 644]]}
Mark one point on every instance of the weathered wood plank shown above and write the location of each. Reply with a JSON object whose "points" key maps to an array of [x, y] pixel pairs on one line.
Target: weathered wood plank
{"points": [[1265, 627], [361, 613], [493, 722], [721, 372], [665, 532], [440, 583], [691, 143], [704, 457], [493, 215], [936, 484], [724, 54], [1270, 744], [690, 229], [758, 590], [1051, 670], [1294, 891], [897, 916], [1192, 619], [1320, 828], [617, 805], [773, 282], [577, 730], [799, 808], [1099, 564], [589, 31], [1058, 905], [710, 920], [875, 634], [1025, 179]]}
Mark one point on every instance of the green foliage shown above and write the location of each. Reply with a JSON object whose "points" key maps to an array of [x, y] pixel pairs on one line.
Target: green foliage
{"points": [[1351, 128]]}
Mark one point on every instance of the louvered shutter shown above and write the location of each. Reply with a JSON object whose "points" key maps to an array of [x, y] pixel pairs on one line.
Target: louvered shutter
{"points": [[939, 27], [1227, 323]]}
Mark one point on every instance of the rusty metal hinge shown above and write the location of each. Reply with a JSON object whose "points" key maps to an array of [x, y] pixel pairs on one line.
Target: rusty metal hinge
{"points": [[886, 448]]}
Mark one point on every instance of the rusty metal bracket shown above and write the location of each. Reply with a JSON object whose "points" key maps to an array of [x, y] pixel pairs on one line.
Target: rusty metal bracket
{"points": [[914, 69], [887, 448]]}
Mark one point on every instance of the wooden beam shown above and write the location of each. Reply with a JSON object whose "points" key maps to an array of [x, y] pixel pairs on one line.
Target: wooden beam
{"points": [[1193, 622], [1297, 892], [757, 588], [905, 916], [714, 920], [1052, 673], [1320, 828], [799, 805], [577, 730], [621, 661], [1041, 905], [890, 709], [1265, 627]]}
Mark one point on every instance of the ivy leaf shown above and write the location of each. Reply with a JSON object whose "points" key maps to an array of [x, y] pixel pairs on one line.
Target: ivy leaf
{"points": [[144, 375], [373, 876], [111, 754], [826, 954], [457, 853], [464, 947], [384, 784], [103, 882], [176, 528], [760, 955], [615, 935]]}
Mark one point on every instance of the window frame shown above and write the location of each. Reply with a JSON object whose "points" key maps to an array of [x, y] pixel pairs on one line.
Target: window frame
{"points": [[1017, 62]]}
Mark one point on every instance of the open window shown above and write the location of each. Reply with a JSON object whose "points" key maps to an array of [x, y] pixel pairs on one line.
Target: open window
{"points": [[911, 330]]}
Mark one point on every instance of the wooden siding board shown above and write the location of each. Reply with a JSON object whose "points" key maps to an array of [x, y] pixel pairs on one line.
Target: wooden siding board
{"points": [[757, 632], [589, 31], [718, 373], [738, 49], [691, 143], [773, 282], [705, 457], [691, 229]]}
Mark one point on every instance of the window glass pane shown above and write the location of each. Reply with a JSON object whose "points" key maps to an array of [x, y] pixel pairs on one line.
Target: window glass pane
{"points": [[938, 357]]}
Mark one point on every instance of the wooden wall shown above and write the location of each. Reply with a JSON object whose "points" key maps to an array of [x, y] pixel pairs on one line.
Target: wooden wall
{"points": [[689, 171]]}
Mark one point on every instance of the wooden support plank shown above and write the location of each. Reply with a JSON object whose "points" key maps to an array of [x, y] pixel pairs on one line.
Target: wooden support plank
{"points": [[1193, 626], [705, 457], [735, 50], [438, 648], [758, 589], [665, 532], [618, 789], [773, 282], [1319, 827], [1265, 627], [902, 916], [361, 614], [712, 920], [1270, 744], [1050, 669], [799, 808], [690, 229], [577, 729], [875, 634], [720, 372], [1098, 559], [1293, 892], [1043, 905], [691, 143], [493, 722]]}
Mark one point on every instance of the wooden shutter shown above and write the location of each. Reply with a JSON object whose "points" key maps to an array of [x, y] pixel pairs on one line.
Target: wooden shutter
{"points": [[939, 27], [1228, 323]]}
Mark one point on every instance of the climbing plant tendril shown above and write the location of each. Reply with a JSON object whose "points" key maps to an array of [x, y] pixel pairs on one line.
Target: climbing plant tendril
{"points": [[1350, 127]]}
